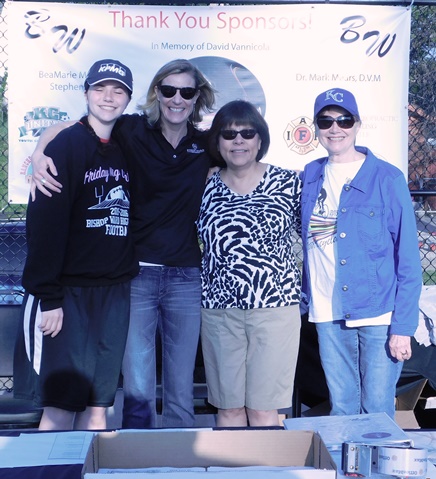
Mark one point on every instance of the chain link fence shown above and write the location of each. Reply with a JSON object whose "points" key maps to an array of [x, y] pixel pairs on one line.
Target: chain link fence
{"points": [[422, 157], [422, 133]]}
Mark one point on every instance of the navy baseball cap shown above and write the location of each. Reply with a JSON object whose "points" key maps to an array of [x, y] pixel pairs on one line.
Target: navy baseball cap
{"points": [[336, 97], [110, 70]]}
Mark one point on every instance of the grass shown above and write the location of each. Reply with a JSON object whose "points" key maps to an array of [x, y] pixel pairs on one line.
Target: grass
{"points": [[429, 277]]}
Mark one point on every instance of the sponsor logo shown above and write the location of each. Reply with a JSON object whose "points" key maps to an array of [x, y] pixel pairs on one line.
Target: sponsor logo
{"points": [[299, 136], [195, 149], [37, 120], [337, 97], [113, 68], [26, 170]]}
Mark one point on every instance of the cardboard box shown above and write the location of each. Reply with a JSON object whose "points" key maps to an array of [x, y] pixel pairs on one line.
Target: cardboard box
{"points": [[206, 448], [406, 400]]}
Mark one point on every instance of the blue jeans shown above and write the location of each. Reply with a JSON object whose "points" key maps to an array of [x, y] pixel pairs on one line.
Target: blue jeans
{"points": [[360, 372], [167, 298]]}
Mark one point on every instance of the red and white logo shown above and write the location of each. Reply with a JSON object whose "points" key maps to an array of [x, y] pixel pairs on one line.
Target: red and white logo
{"points": [[299, 135]]}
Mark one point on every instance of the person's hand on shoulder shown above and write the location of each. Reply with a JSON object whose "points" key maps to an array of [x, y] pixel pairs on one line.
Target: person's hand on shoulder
{"points": [[43, 172], [212, 170], [43, 168]]}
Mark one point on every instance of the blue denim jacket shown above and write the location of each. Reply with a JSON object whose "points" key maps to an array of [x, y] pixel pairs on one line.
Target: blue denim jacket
{"points": [[378, 264]]}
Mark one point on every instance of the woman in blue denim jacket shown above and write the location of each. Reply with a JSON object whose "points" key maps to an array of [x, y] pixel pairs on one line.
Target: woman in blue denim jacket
{"points": [[362, 271]]}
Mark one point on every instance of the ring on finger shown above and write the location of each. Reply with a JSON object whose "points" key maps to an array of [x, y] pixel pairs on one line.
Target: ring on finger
{"points": [[43, 181]]}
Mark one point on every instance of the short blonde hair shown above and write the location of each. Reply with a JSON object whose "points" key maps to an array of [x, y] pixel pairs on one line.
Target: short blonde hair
{"points": [[205, 100]]}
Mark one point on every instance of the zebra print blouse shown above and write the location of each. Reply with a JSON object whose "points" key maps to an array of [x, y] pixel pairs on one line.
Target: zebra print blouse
{"points": [[248, 260]]}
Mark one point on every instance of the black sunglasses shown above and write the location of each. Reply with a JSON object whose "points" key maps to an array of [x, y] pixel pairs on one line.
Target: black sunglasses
{"points": [[344, 122], [247, 134], [186, 93]]}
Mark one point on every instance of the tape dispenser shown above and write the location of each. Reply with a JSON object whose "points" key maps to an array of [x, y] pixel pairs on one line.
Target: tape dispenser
{"points": [[359, 460]]}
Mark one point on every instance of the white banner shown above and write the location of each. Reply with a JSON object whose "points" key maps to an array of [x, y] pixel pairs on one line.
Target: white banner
{"points": [[277, 56]]}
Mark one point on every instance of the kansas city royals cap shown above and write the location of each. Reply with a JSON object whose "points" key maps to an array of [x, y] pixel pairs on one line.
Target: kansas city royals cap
{"points": [[110, 70], [336, 97]]}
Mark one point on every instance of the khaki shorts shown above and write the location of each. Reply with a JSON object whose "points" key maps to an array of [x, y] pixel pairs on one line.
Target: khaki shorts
{"points": [[250, 356]]}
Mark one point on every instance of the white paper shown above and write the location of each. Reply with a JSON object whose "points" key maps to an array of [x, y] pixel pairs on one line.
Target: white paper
{"points": [[425, 439], [430, 403], [265, 474], [377, 428], [151, 470], [39, 449]]}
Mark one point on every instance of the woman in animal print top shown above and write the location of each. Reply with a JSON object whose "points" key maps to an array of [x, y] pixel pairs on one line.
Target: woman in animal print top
{"points": [[250, 279]]}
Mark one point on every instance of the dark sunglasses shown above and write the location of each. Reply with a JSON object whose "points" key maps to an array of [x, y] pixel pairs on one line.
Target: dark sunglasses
{"points": [[247, 134], [186, 93], [344, 122]]}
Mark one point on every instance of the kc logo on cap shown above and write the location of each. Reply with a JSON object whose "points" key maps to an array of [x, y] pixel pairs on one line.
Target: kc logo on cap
{"points": [[336, 97]]}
